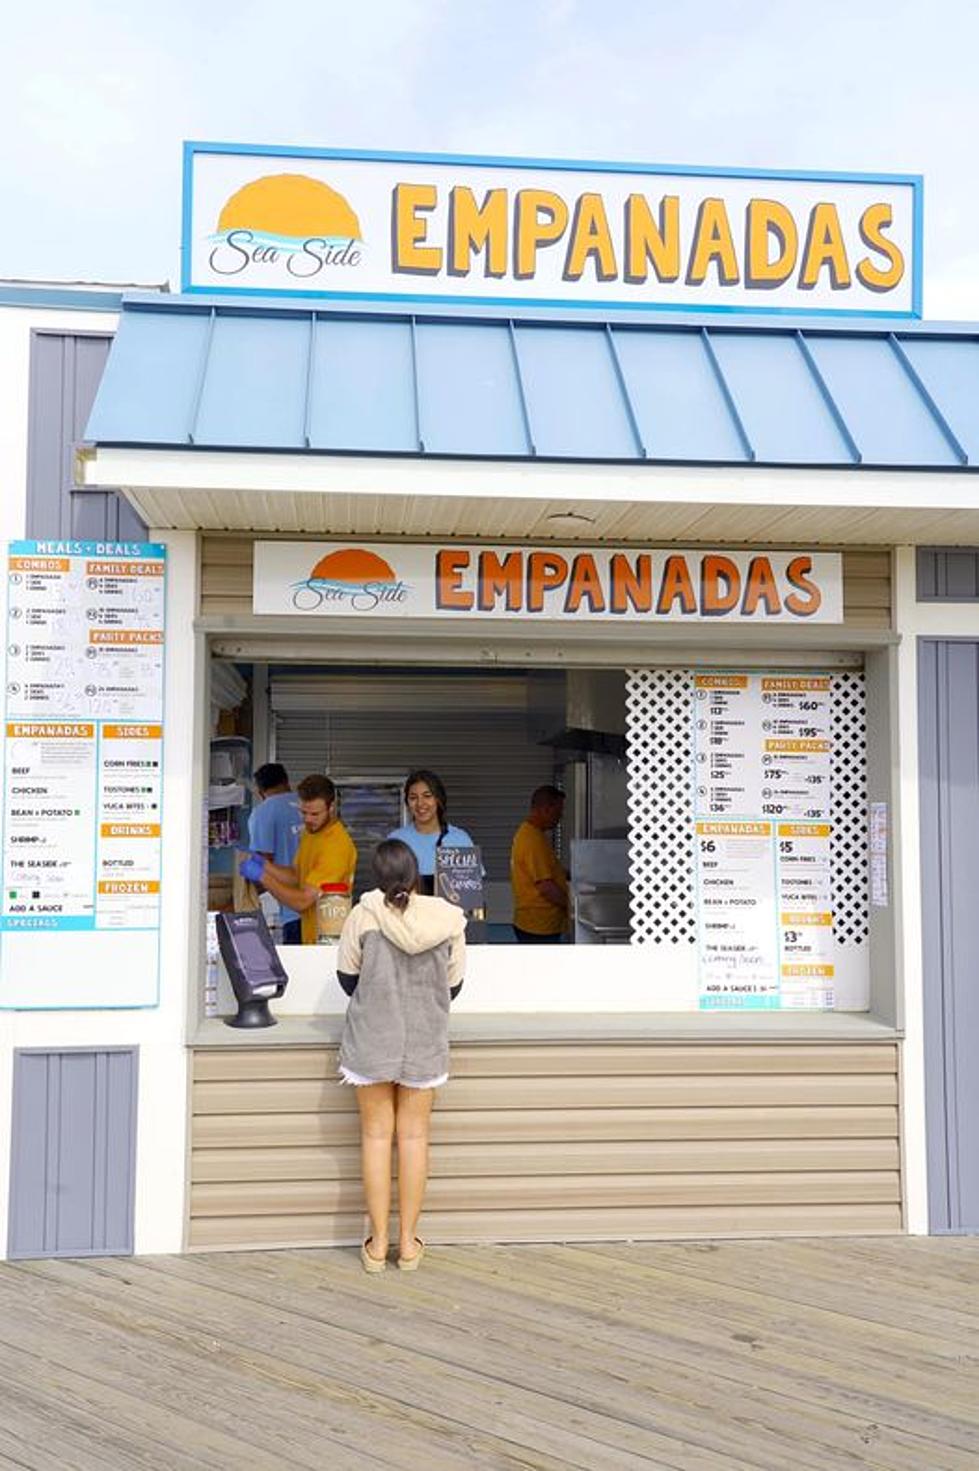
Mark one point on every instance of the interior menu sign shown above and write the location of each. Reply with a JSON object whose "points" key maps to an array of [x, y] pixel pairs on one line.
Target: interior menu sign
{"points": [[83, 750], [762, 747]]}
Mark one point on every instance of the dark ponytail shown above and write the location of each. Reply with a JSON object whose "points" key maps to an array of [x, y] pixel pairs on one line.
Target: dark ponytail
{"points": [[436, 786], [396, 871]]}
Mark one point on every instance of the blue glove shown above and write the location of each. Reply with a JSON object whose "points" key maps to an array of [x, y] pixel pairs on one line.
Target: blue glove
{"points": [[252, 868]]}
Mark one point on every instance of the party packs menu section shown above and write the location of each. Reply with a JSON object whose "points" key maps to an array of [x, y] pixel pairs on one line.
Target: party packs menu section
{"points": [[83, 754]]}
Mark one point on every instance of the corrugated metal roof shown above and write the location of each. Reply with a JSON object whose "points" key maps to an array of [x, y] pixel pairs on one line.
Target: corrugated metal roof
{"points": [[188, 372]]}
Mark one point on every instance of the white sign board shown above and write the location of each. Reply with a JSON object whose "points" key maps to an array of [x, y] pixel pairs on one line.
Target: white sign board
{"points": [[508, 231], [82, 774], [414, 580], [761, 774]]}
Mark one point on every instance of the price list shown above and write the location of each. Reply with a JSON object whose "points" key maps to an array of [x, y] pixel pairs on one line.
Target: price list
{"points": [[83, 754], [762, 768]]}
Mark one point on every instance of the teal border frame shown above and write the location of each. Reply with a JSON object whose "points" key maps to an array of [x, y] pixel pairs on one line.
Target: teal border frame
{"points": [[75, 547], [263, 150]]}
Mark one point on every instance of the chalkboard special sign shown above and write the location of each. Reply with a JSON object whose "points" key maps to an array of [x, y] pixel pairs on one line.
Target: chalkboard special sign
{"points": [[459, 877]]}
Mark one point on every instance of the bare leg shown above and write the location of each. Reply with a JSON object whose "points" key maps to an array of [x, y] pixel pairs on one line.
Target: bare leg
{"points": [[376, 1104], [414, 1112]]}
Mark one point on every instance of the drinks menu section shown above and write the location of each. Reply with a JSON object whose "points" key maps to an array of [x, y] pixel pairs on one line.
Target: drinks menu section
{"points": [[762, 749], [83, 754]]}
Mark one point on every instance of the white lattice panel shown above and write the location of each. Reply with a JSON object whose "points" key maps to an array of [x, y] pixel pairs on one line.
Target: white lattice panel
{"points": [[848, 777], [661, 859], [659, 731]]}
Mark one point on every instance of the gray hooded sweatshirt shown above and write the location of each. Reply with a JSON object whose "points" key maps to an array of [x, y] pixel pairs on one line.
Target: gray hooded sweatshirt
{"points": [[397, 1026]]}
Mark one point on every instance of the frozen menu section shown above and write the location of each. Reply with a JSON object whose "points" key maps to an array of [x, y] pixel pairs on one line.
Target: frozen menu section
{"points": [[762, 749], [82, 773]]}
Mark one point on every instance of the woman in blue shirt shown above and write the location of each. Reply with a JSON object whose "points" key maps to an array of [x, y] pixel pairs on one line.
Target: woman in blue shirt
{"points": [[429, 827]]}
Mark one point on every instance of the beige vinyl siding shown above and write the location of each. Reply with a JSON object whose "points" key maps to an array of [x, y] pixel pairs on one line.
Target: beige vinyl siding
{"points": [[561, 1141], [226, 581]]}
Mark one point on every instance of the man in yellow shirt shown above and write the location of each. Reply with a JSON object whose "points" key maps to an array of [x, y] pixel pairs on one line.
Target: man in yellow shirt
{"points": [[539, 883], [326, 855]]}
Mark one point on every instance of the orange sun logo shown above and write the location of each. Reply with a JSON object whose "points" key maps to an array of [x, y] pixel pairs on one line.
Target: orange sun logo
{"points": [[353, 565]]}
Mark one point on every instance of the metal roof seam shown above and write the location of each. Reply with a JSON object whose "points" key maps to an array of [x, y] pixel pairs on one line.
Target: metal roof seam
{"points": [[944, 426], [521, 391], [836, 414], [624, 390], [727, 395]]}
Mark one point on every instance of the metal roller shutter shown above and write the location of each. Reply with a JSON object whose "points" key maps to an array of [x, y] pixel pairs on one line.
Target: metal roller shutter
{"points": [[486, 758]]}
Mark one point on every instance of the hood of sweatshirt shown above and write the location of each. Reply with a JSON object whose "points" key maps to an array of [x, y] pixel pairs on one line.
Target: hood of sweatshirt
{"points": [[425, 923]]}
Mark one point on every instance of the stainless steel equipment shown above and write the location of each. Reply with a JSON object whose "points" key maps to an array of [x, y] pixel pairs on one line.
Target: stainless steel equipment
{"points": [[600, 891]]}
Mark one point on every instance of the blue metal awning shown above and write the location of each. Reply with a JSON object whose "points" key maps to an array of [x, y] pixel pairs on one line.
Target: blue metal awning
{"points": [[491, 384]]}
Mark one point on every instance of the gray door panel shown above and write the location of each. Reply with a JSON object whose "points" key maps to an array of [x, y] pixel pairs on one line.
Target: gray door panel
{"points": [[949, 794], [73, 1155]]}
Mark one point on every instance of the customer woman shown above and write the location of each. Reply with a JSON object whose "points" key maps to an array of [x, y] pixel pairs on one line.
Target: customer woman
{"points": [[400, 960], [429, 828]]}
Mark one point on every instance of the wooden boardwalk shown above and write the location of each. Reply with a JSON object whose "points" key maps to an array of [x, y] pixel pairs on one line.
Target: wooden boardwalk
{"points": [[802, 1355]]}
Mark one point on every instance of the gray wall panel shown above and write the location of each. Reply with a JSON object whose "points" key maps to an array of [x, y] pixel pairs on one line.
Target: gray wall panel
{"points": [[949, 796], [73, 1153], [66, 369], [948, 574]]}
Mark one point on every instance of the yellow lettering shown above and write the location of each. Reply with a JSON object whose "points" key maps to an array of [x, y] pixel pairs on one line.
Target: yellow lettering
{"points": [[874, 220], [712, 241], [824, 247], [648, 240], [540, 218], [411, 256], [766, 218], [590, 237], [477, 227]]}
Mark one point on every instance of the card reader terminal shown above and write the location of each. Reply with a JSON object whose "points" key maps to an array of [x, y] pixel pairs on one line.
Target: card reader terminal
{"points": [[254, 969]]}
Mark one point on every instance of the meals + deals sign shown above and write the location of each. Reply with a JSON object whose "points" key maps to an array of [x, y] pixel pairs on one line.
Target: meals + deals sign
{"points": [[450, 580], [511, 231]]}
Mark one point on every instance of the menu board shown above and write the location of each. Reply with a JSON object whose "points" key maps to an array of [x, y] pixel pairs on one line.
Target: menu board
{"points": [[762, 747], [83, 766]]}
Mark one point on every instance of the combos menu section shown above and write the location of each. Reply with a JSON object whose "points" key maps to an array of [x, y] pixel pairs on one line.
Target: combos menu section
{"points": [[83, 754]]}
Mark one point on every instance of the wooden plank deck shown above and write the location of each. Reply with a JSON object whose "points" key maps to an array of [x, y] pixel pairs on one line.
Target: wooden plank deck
{"points": [[802, 1355]]}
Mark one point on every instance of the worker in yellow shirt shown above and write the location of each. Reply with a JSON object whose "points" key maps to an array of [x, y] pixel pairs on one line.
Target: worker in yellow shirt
{"points": [[326, 855], [539, 883]]}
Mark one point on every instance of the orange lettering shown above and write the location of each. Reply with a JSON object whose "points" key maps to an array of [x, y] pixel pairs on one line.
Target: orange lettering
{"points": [[720, 586], [545, 571], [585, 583], [496, 577], [631, 586], [449, 592], [676, 584], [761, 587], [796, 572]]}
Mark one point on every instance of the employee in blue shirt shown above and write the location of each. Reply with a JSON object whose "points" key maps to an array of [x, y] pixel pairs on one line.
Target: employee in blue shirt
{"points": [[429, 827], [274, 830]]}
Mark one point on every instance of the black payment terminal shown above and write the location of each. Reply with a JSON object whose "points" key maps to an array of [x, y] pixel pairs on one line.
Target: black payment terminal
{"points": [[254, 969]]}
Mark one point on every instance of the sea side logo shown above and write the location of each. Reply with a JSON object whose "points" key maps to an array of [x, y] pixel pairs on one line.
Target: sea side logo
{"points": [[354, 576], [285, 221]]}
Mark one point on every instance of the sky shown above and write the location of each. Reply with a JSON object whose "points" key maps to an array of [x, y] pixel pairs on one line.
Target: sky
{"points": [[98, 96]]}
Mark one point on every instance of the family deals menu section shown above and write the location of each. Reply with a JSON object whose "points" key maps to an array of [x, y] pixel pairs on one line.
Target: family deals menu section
{"points": [[762, 750], [84, 726]]}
